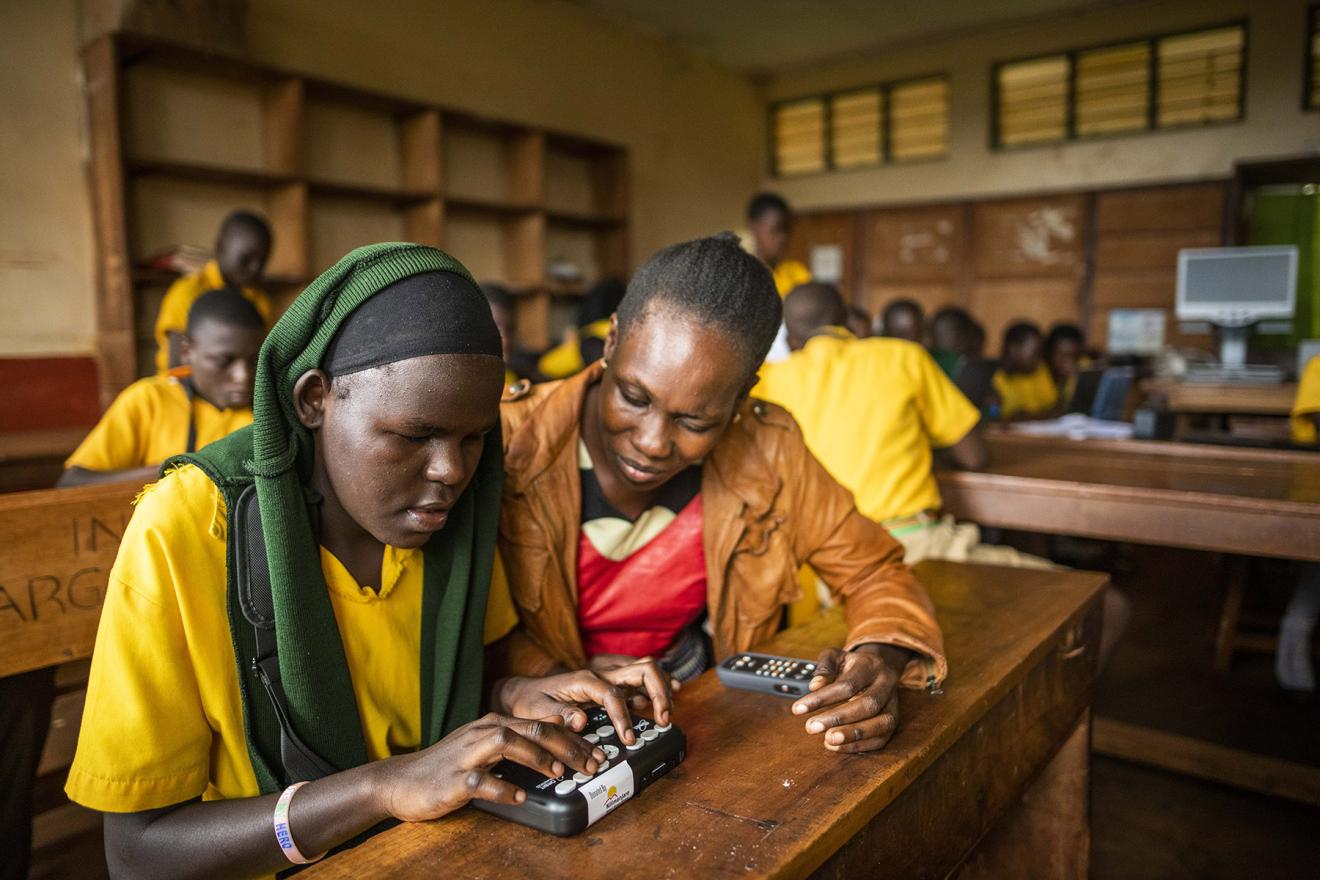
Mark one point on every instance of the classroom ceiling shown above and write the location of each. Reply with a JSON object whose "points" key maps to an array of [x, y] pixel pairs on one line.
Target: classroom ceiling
{"points": [[761, 36]]}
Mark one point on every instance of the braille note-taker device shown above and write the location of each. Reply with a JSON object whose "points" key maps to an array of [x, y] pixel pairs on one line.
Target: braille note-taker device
{"points": [[569, 804], [785, 676]]}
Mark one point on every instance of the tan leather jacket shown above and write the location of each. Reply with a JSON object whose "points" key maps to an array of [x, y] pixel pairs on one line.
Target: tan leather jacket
{"points": [[768, 507]]}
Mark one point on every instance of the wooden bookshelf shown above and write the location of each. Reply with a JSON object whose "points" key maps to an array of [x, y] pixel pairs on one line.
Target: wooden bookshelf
{"points": [[332, 167]]}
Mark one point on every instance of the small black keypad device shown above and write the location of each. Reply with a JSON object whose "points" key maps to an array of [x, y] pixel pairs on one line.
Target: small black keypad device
{"points": [[784, 676]]}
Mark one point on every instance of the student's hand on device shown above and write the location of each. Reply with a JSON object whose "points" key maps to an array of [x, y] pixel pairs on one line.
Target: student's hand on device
{"points": [[615, 668], [438, 780], [613, 689], [854, 696]]}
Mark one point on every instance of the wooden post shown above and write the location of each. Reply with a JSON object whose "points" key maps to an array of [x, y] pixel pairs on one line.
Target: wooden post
{"points": [[115, 345]]}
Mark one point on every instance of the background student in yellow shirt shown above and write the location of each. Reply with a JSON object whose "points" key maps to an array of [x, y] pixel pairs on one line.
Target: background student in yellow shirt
{"points": [[1023, 381], [241, 250], [871, 410], [903, 319], [769, 227], [372, 476], [185, 409], [1306, 406]]}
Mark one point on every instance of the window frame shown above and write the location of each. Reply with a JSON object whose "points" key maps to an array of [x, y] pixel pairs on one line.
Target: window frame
{"points": [[1152, 125], [886, 125], [1309, 58]]}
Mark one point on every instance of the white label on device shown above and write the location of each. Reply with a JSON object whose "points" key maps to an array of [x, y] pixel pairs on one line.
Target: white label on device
{"points": [[607, 791]]}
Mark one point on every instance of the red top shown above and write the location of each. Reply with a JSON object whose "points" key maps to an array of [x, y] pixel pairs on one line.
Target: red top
{"points": [[638, 604]]}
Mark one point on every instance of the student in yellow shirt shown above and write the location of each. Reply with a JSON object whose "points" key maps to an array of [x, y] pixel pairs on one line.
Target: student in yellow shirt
{"points": [[241, 250], [871, 410], [207, 398], [1023, 381], [769, 226], [593, 325], [349, 670], [1306, 407]]}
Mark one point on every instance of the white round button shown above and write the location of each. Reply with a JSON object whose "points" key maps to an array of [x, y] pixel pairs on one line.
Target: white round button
{"points": [[637, 745], [650, 734], [661, 728], [604, 765], [580, 778], [611, 752], [604, 732], [568, 786], [592, 738]]}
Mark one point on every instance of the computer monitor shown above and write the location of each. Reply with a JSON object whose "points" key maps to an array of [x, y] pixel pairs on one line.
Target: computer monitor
{"points": [[1234, 288]]}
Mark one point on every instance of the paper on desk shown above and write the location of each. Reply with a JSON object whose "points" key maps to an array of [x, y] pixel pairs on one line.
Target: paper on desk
{"points": [[1076, 426]]}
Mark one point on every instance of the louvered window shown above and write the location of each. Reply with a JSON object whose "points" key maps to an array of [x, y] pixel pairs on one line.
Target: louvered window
{"points": [[1033, 101], [1159, 82], [800, 137], [1200, 77], [856, 124], [862, 127], [919, 119], [1113, 90]]}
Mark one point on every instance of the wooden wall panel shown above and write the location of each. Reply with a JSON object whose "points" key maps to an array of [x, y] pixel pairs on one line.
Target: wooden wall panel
{"points": [[1137, 239], [998, 303], [914, 244], [838, 229], [1030, 238]]}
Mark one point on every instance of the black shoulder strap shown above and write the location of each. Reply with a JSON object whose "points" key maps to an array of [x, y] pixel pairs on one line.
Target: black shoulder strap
{"points": [[190, 392], [252, 579]]}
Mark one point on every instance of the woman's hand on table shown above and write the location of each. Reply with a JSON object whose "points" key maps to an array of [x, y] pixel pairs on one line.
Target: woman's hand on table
{"points": [[854, 697], [440, 779], [640, 682]]}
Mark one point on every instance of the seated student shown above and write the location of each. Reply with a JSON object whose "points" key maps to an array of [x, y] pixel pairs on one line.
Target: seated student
{"points": [[950, 338], [181, 411], [241, 250], [859, 322], [903, 319], [593, 324], [518, 362], [375, 458], [1023, 382], [650, 503], [1065, 356]]}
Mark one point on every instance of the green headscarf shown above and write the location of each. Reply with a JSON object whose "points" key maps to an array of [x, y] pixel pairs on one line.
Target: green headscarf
{"points": [[276, 452]]}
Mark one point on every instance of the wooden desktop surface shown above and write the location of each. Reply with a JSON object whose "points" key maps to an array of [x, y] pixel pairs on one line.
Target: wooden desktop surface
{"points": [[1232, 500], [758, 797], [1228, 398]]}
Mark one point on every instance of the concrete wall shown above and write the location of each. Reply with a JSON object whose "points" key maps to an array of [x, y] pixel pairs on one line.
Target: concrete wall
{"points": [[1274, 124]]}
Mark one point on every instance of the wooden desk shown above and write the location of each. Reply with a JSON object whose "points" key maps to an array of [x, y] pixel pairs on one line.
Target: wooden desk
{"points": [[759, 797], [1229, 398], [1251, 502], [1230, 500]]}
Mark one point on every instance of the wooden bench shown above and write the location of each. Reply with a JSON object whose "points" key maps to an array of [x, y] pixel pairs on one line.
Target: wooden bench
{"points": [[57, 549]]}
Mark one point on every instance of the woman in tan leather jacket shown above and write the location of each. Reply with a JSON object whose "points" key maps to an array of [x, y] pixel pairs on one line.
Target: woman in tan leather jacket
{"points": [[648, 499]]}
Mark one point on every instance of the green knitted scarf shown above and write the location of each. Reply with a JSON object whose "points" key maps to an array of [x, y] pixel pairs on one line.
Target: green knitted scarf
{"points": [[277, 453]]}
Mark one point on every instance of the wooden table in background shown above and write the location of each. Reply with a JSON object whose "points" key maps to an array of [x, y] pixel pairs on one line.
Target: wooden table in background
{"points": [[1227, 398], [991, 775], [1248, 502]]}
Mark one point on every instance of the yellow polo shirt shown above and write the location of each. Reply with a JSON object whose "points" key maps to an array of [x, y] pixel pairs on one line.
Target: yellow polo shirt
{"points": [[163, 721], [1307, 402], [1026, 393], [789, 274], [149, 421], [173, 316], [871, 410], [565, 359]]}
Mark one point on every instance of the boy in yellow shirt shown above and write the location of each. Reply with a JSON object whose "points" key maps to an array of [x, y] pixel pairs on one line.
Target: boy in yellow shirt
{"points": [[207, 398], [348, 670], [769, 226], [241, 251], [1023, 382], [1306, 407]]}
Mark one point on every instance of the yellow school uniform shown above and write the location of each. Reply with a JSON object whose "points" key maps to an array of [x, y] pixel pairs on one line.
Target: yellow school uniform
{"points": [[163, 721], [173, 316], [565, 360], [871, 410], [789, 274], [1026, 393], [149, 421], [1307, 402]]}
